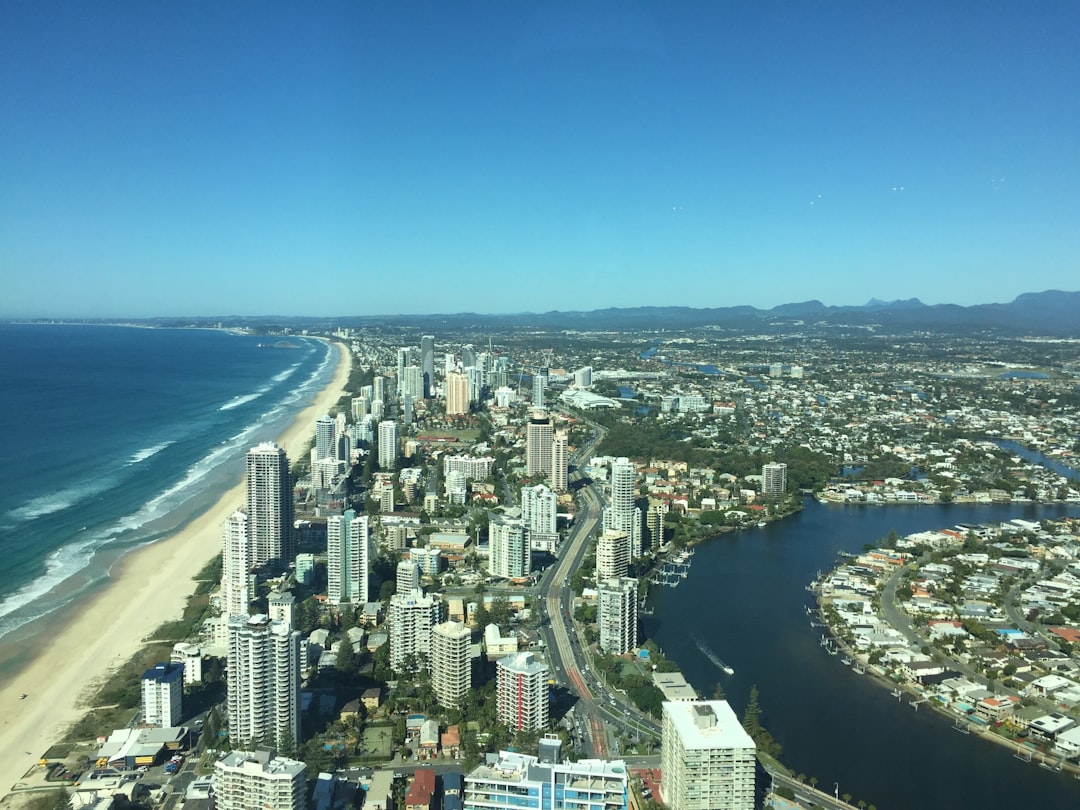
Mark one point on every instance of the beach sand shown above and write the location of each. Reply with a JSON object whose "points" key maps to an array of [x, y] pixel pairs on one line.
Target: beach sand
{"points": [[148, 587]]}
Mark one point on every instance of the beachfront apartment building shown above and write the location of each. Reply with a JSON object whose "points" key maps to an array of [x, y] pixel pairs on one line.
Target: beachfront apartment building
{"points": [[246, 779], [348, 544], [163, 695], [708, 760], [269, 505], [237, 581], [263, 682], [522, 692], [451, 664], [388, 444]]}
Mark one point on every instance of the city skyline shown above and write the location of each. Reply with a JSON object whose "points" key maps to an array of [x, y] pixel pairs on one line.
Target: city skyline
{"points": [[153, 167]]}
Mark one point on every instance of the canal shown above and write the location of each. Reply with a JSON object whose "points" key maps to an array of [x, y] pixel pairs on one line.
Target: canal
{"points": [[744, 603]]}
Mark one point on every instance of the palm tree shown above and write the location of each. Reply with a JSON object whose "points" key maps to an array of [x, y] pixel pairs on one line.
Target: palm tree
{"points": [[813, 781], [801, 777]]}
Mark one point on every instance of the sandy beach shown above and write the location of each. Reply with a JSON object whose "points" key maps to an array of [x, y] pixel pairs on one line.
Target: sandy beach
{"points": [[148, 587]]}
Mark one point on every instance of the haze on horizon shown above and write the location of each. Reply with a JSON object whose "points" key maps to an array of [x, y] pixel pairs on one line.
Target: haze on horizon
{"points": [[376, 158]]}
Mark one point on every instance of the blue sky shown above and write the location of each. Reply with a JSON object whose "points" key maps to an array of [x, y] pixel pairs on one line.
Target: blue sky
{"points": [[166, 158]]}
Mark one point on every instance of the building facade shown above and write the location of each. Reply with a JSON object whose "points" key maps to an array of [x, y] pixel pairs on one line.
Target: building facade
{"points": [[388, 444], [348, 543], [246, 779], [774, 479], [411, 619], [708, 760], [510, 554], [163, 695], [263, 682], [236, 564], [612, 555], [530, 783], [269, 505], [451, 666], [617, 615], [522, 692], [538, 445], [559, 462]]}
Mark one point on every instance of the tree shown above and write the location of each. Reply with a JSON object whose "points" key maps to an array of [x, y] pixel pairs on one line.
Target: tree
{"points": [[718, 691], [813, 781], [346, 657]]}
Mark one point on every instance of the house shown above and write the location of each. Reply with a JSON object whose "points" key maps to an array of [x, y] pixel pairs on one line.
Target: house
{"points": [[371, 698], [450, 742], [421, 790], [1049, 726], [996, 709]]}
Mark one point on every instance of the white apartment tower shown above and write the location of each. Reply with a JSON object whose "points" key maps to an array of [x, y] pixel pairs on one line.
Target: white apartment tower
{"points": [[236, 564], [538, 509], [451, 666], [348, 541], [620, 513], [774, 479], [269, 505], [163, 695], [559, 463], [617, 615], [707, 758], [411, 619], [522, 692], [538, 445], [612, 555], [510, 554], [246, 779], [408, 577], [263, 682], [388, 449], [325, 438]]}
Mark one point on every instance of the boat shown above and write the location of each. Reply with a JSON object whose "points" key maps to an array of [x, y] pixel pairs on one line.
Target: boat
{"points": [[713, 657]]}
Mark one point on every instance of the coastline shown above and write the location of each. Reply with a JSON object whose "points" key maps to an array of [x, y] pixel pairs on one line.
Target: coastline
{"points": [[147, 587]]}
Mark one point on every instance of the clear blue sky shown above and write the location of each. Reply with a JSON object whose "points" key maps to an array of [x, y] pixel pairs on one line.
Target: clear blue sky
{"points": [[171, 158]]}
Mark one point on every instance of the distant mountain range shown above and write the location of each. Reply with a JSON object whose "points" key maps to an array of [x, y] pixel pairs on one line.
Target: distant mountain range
{"points": [[1050, 313]]}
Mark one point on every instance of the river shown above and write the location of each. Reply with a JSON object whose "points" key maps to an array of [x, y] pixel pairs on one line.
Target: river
{"points": [[745, 601]]}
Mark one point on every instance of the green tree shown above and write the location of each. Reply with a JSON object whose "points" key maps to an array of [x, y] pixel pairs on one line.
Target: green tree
{"points": [[346, 657]]}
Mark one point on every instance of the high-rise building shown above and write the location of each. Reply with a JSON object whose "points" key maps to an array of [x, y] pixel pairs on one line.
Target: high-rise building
{"points": [[468, 355], [403, 360], [539, 385], [707, 758], [522, 692], [774, 479], [612, 554], [282, 608], [246, 779], [510, 554], [457, 394], [621, 514], [654, 520], [407, 577], [427, 363], [413, 382], [189, 656], [236, 564], [269, 505], [348, 541], [263, 680], [410, 620], [163, 695], [559, 463], [378, 388], [538, 509], [526, 782], [451, 666], [361, 407], [583, 377], [616, 615], [325, 437], [538, 445], [388, 445]]}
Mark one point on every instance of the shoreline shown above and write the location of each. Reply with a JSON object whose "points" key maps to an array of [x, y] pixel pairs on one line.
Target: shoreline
{"points": [[147, 587]]}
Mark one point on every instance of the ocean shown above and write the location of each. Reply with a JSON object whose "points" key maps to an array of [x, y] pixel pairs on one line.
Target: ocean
{"points": [[114, 437]]}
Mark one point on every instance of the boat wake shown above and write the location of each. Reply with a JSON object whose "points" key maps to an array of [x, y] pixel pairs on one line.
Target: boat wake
{"points": [[712, 656]]}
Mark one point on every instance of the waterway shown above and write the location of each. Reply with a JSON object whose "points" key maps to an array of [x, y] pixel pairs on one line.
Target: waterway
{"points": [[744, 602]]}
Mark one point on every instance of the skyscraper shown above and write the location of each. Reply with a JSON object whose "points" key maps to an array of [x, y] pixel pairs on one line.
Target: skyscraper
{"points": [[413, 382], [521, 692], [236, 562], [559, 462], [388, 449], [612, 554], [539, 385], [451, 667], [407, 577], [616, 615], [774, 479], [707, 758], [427, 363], [269, 505], [510, 555], [538, 445], [538, 509], [347, 544], [325, 437], [263, 681], [457, 394], [411, 619], [621, 514]]}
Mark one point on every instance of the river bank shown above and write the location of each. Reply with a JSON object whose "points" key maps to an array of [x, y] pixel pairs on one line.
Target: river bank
{"points": [[73, 651]]}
